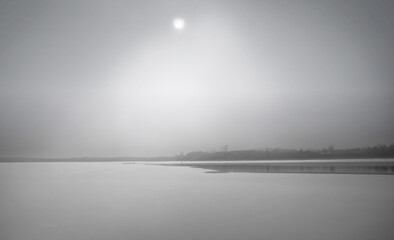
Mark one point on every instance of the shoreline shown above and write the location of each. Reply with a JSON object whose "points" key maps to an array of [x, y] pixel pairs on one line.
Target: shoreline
{"points": [[382, 168]]}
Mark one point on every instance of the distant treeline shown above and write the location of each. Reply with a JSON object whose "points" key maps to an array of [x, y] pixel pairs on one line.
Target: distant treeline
{"points": [[379, 151]]}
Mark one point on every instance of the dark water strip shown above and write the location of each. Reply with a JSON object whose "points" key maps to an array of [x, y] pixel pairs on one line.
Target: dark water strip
{"points": [[325, 167]]}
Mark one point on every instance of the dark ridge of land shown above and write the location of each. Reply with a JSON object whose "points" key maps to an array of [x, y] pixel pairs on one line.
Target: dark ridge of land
{"points": [[385, 168], [379, 151], [375, 152]]}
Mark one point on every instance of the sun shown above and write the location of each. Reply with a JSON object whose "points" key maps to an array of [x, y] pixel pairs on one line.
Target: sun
{"points": [[178, 23]]}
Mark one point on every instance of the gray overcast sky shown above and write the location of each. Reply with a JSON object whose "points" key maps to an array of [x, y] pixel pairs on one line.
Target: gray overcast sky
{"points": [[113, 78]]}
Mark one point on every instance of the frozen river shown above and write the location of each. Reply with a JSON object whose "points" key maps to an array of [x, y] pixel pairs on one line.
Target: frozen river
{"points": [[52, 201]]}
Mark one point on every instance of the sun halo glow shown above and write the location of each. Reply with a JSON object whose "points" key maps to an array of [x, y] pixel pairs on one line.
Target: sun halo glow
{"points": [[178, 23]]}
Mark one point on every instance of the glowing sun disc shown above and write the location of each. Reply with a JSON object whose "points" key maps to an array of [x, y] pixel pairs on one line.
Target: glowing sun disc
{"points": [[178, 23]]}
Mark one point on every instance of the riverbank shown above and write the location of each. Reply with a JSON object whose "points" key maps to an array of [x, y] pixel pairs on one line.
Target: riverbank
{"points": [[337, 167]]}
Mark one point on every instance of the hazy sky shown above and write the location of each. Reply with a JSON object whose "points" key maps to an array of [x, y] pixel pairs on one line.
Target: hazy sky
{"points": [[114, 78]]}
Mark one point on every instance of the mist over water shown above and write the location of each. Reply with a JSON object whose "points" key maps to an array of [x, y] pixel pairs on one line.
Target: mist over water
{"points": [[99, 78], [134, 201], [194, 80]]}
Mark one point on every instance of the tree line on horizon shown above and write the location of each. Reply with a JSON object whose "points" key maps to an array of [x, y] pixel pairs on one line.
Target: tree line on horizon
{"points": [[378, 151]]}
